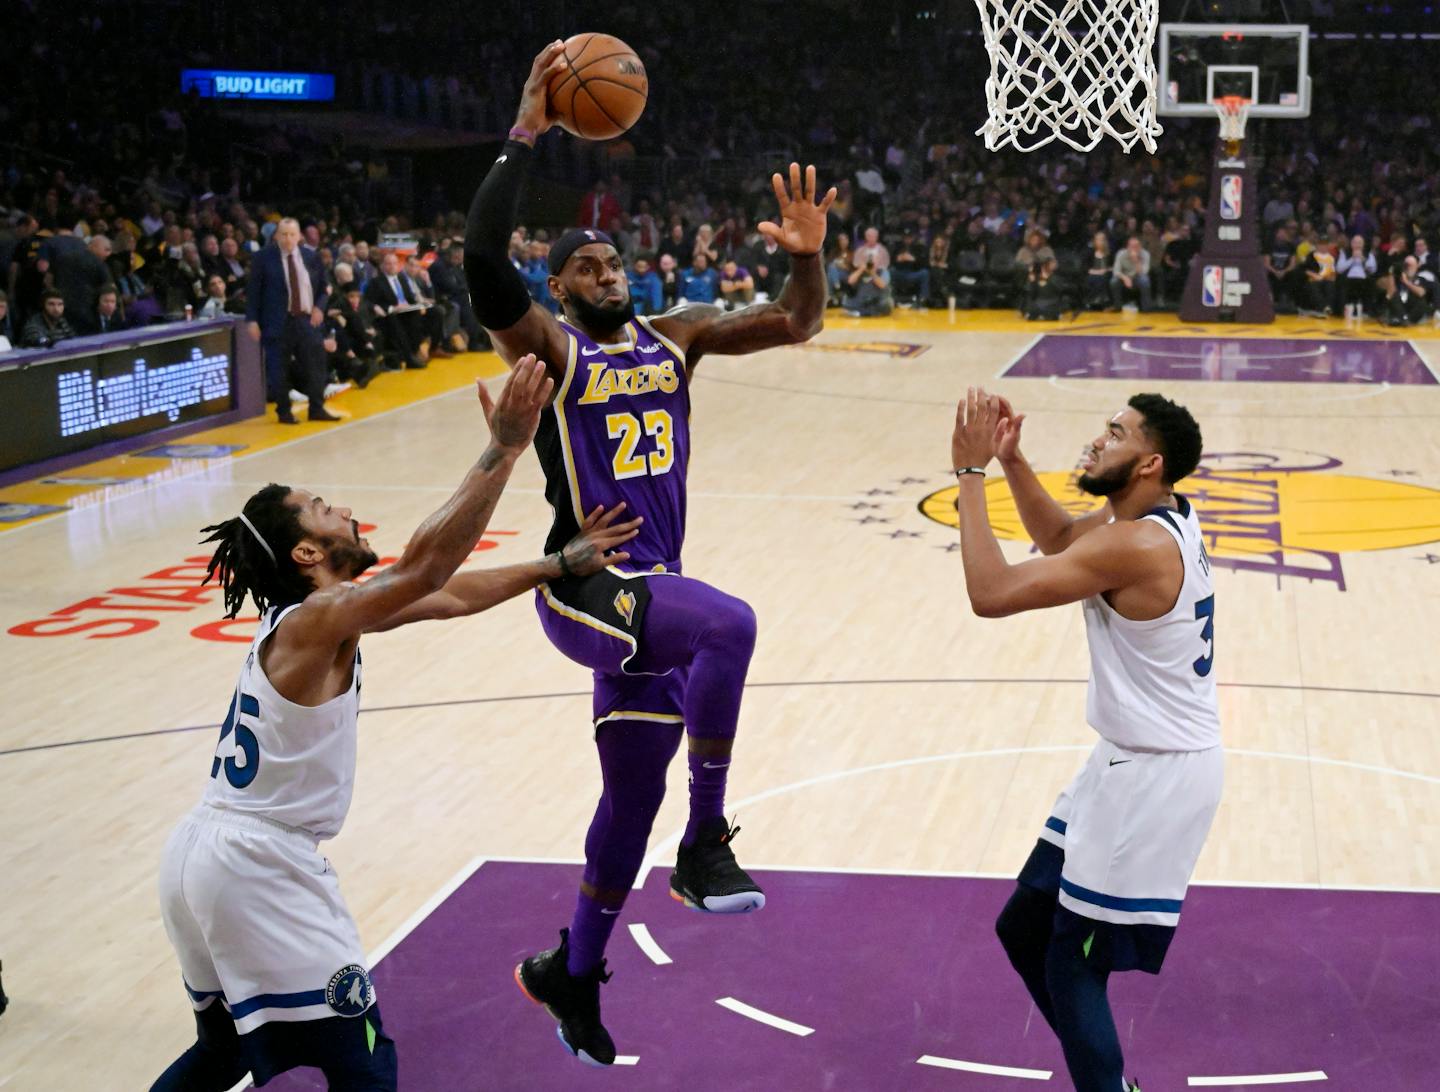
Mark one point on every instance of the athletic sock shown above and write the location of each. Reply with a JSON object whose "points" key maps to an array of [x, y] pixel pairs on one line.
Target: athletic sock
{"points": [[707, 791], [590, 931]]}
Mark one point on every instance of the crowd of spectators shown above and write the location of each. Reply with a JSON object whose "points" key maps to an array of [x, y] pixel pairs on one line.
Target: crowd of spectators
{"points": [[148, 215]]}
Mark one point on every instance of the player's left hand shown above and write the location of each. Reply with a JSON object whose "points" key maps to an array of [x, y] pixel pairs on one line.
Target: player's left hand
{"points": [[977, 419], [801, 229], [589, 551]]}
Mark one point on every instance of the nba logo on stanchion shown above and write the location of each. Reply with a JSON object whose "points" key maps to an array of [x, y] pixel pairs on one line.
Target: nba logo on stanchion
{"points": [[1232, 198], [1210, 281]]}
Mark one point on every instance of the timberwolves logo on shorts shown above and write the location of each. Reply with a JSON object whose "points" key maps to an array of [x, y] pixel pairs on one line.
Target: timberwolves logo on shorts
{"points": [[349, 992]]}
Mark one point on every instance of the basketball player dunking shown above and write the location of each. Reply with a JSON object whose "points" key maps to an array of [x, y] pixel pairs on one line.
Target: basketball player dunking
{"points": [[1103, 888], [253, 910], [669, 653]]}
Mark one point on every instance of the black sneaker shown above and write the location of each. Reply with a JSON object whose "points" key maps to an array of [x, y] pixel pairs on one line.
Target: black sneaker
{"points": [[574, 1002], [707, 878]]}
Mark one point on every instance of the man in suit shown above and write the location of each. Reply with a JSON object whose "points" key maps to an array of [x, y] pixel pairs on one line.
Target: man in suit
{"points": [[401, 331], [285, 308]]}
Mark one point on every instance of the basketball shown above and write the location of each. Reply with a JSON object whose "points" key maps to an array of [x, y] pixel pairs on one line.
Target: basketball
{"points": [[602, 91]]}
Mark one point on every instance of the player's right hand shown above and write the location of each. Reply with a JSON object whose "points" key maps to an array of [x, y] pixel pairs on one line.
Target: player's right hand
{"points": [[515, 416], [534, 113], [589, 551]]}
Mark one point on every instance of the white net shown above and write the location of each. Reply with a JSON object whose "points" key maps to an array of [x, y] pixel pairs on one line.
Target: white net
{"points": [[1070, 70], [1233, 111]]}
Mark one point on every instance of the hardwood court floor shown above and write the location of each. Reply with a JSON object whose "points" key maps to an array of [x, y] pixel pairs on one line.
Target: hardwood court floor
{"points": [[885, 726]]}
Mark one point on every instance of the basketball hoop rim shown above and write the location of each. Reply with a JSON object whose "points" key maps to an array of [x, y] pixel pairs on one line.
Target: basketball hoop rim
{"points": [[1232, 104]]}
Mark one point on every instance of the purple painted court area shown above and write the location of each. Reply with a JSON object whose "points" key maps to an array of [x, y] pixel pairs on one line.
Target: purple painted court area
{"points": [[1223, 360], [886, 969]]}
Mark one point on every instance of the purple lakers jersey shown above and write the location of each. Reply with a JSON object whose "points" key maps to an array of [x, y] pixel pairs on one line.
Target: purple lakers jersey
{"points": [[619, 430]]}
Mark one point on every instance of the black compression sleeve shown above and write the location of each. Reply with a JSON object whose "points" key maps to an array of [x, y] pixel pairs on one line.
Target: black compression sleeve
{"points": [[497, 292]]}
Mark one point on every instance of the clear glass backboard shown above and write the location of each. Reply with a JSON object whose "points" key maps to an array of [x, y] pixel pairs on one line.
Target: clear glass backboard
{"points": [[1267, 63]]}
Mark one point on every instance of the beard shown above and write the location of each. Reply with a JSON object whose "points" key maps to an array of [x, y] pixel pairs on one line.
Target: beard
{"points": [[1111, 481], [600, 319], [350, 558]]}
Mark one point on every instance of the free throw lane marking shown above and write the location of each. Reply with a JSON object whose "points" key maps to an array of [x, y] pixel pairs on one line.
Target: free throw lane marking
{"points": [[763, 1017], [1263, 1078], [648, 946], [627, 1059], [981, 1067]]}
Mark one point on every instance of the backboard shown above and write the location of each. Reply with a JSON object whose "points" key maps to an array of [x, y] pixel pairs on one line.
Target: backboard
{"points": [[1267, 63]]}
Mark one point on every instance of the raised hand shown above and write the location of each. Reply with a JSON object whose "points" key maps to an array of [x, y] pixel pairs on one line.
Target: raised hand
{"points": [[534, 113], [1007, 432], [802, 221], [973, 441], [514, 418], [588, 552]]}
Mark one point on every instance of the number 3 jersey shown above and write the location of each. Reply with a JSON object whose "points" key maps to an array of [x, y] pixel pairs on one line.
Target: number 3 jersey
{"points": [[619, 430], [291, 763], [1151, 683]]}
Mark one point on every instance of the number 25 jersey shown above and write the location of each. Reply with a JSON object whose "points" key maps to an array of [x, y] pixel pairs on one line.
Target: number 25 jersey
{"points": [[619, 430]]}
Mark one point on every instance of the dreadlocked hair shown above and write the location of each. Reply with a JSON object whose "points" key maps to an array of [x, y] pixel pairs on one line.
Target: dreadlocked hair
{"points": [[240, 564]]}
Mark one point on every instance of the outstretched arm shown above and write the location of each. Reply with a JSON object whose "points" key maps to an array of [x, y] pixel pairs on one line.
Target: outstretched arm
{"points": [[501, 302], [1114, 556], [1049, 526], [470, 593], [341, 612], [797, 314]]}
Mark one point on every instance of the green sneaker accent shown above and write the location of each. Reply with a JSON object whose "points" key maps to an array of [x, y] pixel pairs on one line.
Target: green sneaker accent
{"points": [[370, 1035], [1086, 946]]}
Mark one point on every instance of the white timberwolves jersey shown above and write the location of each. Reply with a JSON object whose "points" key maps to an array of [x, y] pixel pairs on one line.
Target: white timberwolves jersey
{"points": [[291, 763], [1152, 687]]}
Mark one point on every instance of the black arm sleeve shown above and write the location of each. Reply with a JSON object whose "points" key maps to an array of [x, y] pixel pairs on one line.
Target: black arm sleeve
{"points": [[497, 291]]}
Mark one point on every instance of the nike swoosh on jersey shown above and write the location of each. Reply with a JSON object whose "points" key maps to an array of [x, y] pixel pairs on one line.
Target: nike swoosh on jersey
{"points": [[1120, 761], [590, 352]]}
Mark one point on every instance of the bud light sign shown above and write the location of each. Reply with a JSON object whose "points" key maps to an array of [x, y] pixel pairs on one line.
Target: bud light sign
{"points": [[1232, 196], [217, 83]]}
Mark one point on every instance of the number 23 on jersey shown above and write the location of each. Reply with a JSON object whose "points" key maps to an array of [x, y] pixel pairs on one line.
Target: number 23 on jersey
{"points": [[628, 429]]}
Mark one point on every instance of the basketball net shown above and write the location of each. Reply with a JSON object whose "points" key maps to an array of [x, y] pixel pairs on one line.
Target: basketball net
{"points": [[1070, 70], [1233, 111]]}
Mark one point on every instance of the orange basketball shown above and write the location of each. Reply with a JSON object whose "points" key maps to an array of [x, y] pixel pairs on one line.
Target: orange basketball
{"points": [[602, 90]]}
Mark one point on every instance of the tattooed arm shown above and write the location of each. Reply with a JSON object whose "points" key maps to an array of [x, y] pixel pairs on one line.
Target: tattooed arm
{"points": [[470, 593]]}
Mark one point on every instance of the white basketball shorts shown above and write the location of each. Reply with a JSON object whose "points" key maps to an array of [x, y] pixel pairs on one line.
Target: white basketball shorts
{"points": [[255, 915], [1132, 824]]}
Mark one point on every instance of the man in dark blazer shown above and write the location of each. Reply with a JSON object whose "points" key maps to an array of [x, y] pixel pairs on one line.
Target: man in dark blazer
{"points": [[285, 307], [392, 299]]}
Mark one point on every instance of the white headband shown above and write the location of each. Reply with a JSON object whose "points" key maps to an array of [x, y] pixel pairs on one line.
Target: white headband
{"points": [[260, 539]]}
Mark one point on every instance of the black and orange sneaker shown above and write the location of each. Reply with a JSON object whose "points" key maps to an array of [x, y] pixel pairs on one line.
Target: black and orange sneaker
{"points": [[573, 1001], [707, 877]]}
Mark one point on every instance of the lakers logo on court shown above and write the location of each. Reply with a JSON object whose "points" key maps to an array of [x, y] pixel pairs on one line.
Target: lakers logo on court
{"points": [[625, 606], [349, 992], [1282, 516]]}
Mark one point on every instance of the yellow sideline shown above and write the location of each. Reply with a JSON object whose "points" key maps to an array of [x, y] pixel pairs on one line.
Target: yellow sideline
{"points": [[392, 391]]}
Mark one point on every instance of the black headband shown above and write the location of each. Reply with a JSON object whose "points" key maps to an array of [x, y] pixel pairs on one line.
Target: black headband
{"points": [[572, 241]]}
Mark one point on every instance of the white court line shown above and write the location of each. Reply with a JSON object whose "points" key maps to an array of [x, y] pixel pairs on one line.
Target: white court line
{"points": [[626, 1059], [763, 1017], [669, 843], [1021, 355], [1129, 348], [981, 1067], [648, 946], [1263, 1078]]}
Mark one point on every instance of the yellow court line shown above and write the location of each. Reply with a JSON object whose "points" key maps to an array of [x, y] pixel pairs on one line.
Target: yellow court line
{"points": [[388, 392]]}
